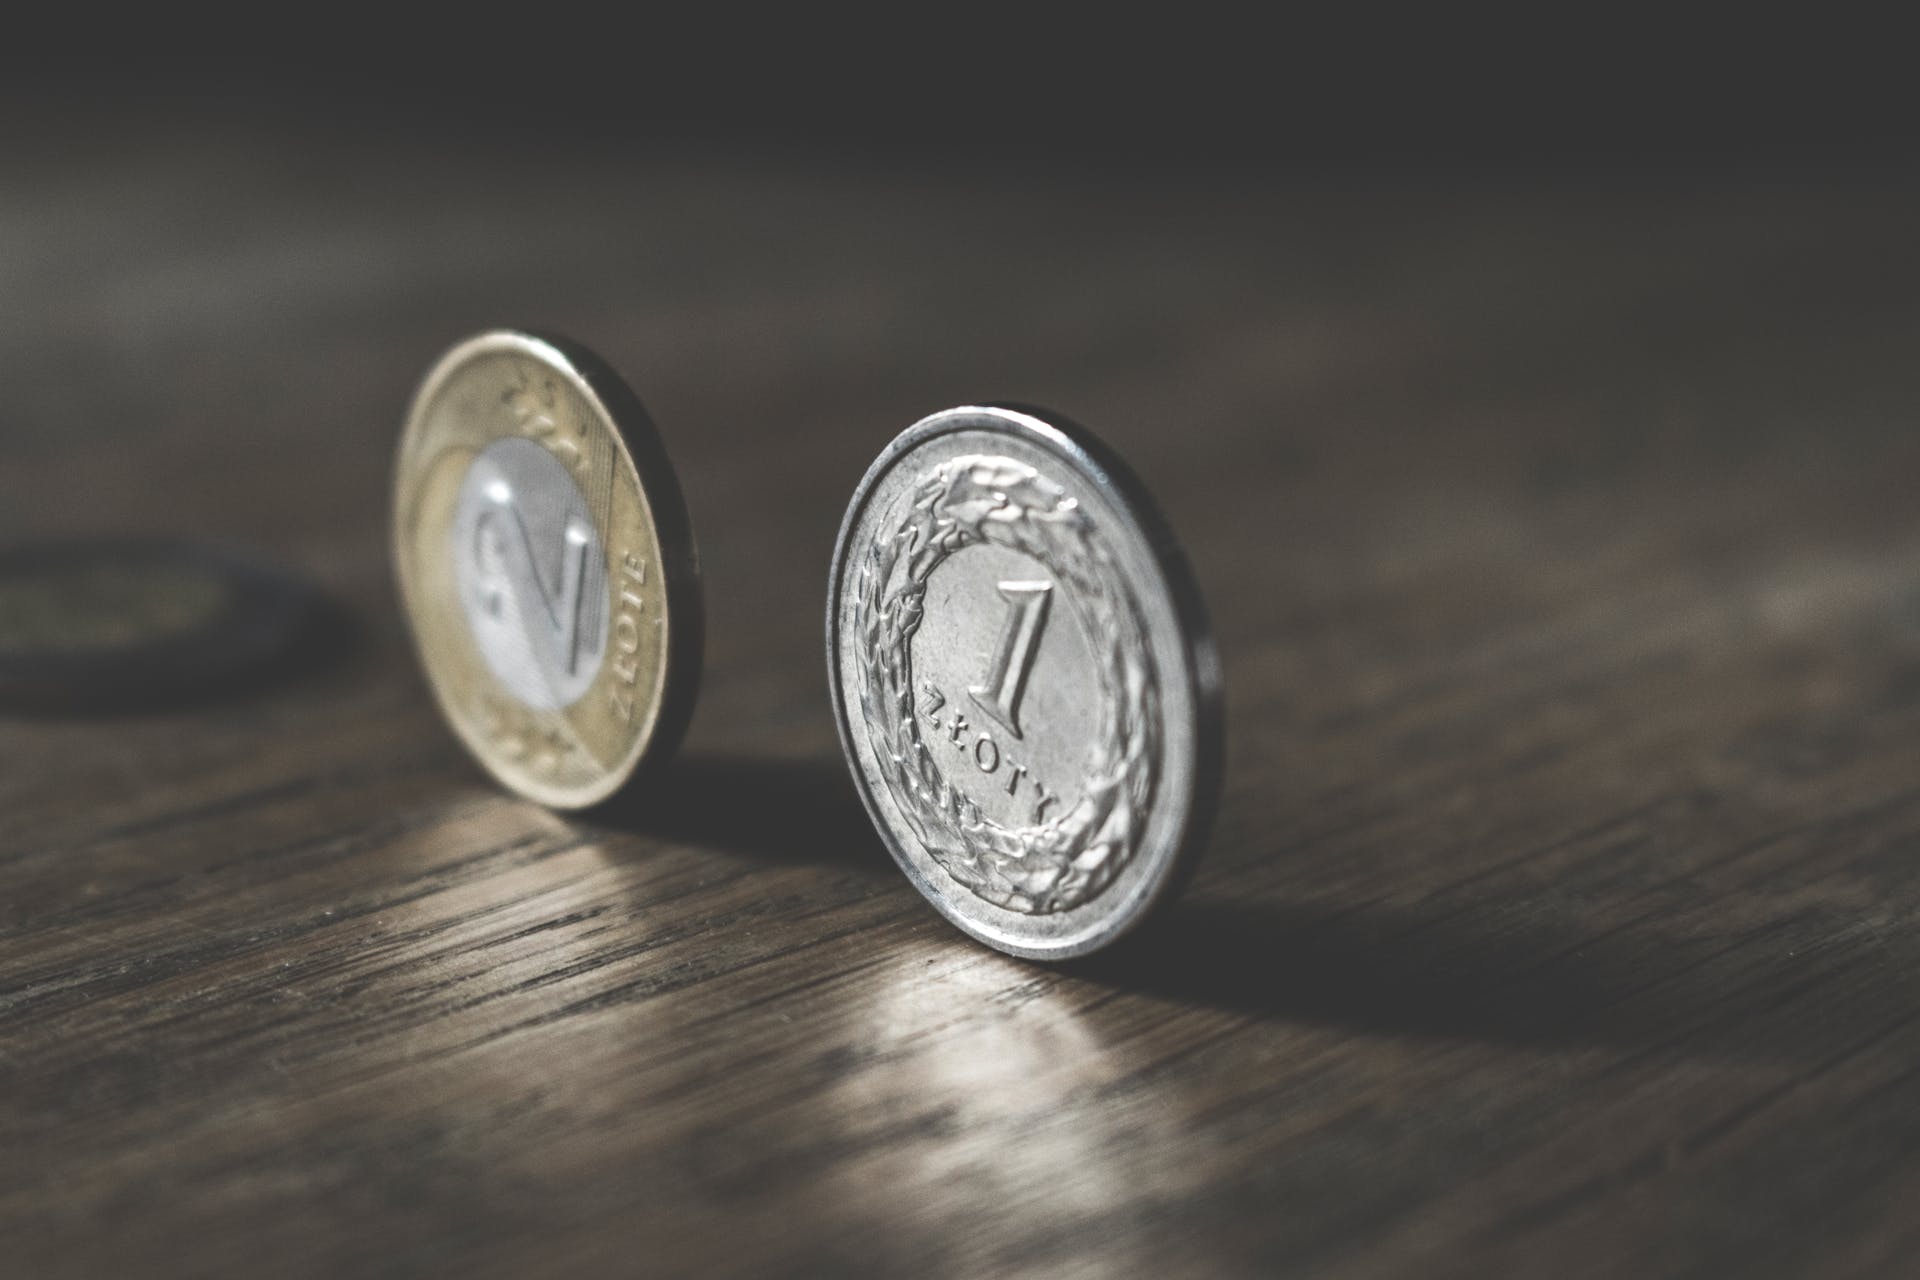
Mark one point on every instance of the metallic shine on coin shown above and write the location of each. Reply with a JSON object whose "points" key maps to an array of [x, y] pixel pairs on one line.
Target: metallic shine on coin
{"points": [[1024, 680], [547, 566]]}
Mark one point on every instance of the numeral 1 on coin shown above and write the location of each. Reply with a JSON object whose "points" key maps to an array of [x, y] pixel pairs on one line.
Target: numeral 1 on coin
{"points": [[1000, 693]]}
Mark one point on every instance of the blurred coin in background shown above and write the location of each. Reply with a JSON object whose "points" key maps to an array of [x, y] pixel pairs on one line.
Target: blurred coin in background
{"points": [[132, 623]]}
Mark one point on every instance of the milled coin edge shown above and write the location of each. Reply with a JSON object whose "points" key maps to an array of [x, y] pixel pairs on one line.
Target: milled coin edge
{"points": [[1087, 454]]}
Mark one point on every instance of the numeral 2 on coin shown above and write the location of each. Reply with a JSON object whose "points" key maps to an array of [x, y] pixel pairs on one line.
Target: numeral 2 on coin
{"points": [[515, 571]]}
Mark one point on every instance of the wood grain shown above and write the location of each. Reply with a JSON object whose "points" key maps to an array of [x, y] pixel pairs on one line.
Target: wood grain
{"points": [[1563, 916]]}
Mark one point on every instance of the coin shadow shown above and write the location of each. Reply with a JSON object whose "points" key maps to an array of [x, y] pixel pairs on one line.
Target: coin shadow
{"points": [[1514, 972], [800, 811], [1371, 969], [330, 642]]}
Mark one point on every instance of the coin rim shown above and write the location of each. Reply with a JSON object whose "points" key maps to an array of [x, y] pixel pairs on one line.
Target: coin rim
{"points": [[1092, 459], [644, 455]]}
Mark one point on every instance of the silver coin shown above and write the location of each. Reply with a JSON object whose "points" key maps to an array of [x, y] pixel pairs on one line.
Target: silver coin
{"points": [[1025, 684], [544, 639]]}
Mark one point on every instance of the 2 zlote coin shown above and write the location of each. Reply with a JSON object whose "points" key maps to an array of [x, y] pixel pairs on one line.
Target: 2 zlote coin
{"points": [[547, 567]]}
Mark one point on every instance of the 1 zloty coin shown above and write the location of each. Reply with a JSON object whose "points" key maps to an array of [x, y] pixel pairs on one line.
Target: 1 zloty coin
{"points": [[547, 567], [1024, 681]]}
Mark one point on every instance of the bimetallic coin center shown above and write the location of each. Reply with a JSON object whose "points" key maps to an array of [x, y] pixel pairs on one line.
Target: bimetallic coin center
{"points": [[1007, 695], [531, 571]]}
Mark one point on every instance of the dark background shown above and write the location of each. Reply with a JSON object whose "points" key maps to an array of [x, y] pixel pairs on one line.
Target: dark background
{"points": [[1304, 90]]}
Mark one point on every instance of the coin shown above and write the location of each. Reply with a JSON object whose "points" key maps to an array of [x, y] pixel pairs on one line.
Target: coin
{"points": [[1025, 684], [547, 567], [131, 623]]}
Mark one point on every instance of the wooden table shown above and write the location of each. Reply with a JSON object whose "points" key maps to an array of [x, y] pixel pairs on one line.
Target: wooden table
{"points": [[1563, 915]]}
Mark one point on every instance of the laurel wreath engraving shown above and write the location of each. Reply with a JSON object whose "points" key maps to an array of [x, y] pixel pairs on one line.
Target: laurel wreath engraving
{"points": [[1059, 864]]}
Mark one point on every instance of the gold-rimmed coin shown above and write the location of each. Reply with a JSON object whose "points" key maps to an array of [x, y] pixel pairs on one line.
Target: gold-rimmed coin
{"points": [[547, 567]]}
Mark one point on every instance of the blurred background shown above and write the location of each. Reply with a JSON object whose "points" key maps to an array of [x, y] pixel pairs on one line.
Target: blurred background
{"points": [[1470, 301], [1296, 90], [1361, 247]]}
